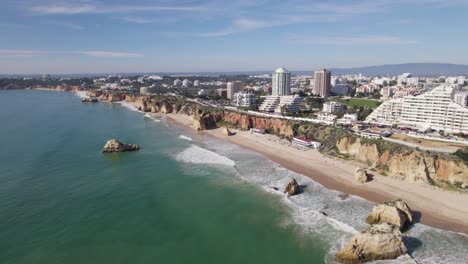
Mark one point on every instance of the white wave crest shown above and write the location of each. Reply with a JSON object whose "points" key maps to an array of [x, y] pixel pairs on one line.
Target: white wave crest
{"points": [[185, 138], [129, 106], [198, 155], [81, 94], [152, 117]]}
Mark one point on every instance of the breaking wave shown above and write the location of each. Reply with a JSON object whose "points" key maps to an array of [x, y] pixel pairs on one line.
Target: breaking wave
{"points": [[198, 155], [185, 138]]}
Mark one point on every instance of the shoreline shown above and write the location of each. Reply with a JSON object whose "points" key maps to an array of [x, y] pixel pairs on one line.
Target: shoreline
{"points": [[430, 205]]}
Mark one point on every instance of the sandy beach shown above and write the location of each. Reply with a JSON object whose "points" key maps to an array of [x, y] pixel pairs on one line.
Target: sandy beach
{"points": [[431, 206]]}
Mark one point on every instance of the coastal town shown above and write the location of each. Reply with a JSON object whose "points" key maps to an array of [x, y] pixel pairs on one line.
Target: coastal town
{"points": [[420, 112], [412, 129]]}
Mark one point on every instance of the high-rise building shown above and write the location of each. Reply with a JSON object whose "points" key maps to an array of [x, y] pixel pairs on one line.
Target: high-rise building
{"points": [[232, 88], [281, 82], [322, 84]]}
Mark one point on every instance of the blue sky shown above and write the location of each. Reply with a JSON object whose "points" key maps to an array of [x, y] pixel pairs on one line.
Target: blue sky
{"points": [[88, 36]]}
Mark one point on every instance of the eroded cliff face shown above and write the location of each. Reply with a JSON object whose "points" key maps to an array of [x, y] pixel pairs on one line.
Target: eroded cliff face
{"points": [[413, 166]]}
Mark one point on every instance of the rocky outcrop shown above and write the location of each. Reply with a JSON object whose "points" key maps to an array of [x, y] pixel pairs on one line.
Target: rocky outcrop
{"points": [[114, 145], [292, 188], [226, 131], [166, 108], [89, 100], [245, 122], [360, 175], [395, 212], [378, 242]]}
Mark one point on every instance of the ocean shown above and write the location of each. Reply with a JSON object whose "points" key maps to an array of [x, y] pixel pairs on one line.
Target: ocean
{"points": [[183, 198]]}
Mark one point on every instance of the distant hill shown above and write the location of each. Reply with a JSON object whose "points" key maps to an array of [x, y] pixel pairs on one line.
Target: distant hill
{"points": [[416, 69]]}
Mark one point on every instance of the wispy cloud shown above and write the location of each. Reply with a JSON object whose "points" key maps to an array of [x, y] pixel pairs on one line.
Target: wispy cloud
{"points": [[69, 9], [355, 40], [110, 54], [247, 24]]}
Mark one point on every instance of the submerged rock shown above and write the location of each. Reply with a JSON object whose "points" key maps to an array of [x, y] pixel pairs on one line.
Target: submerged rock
{"points": [[114, 145], [378, 242], [395, 212], [292, 188], [360, 175]]}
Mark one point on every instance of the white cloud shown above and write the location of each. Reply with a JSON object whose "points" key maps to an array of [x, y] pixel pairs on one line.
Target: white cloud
{"points": [[355, 40], [110, 54]]}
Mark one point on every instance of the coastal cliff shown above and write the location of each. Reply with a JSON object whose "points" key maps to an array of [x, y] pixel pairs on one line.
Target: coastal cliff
{"points": [[385, 158], [401, 162]]}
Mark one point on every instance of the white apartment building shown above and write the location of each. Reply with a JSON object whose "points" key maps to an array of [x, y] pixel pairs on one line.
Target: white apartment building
{"points": [[243, 99], [280, 104], [435, 110], [331, 107], [281, 82], [290, 103], [347, 119], [388, 113], [461, 99], [270, 104]]}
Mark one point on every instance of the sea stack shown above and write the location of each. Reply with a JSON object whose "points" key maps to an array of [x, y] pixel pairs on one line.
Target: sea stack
{"points": [[114, 145], [360, 175], [395, 212], [378, 242], [292, 188]]}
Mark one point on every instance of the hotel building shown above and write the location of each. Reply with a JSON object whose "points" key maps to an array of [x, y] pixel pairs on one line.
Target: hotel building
{"points": [[432, 110], [322, 84], [281, 82]]}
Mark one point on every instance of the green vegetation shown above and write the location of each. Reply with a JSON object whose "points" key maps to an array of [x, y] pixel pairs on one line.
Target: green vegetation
{"points": [[223, 123], [358, 102], [462, 154]]}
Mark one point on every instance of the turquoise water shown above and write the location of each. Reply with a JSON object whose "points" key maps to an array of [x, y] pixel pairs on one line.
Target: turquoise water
{"points": [[63, 201]]}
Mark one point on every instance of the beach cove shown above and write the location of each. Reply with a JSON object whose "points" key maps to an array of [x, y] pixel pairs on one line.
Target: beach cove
{"points": [[183, 192]]}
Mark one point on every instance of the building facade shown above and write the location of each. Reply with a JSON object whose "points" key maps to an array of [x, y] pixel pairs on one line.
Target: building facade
{"points": [[243, 99], [435, 110], [281, 82], [232, 88], [322, 84], [332, 107]]}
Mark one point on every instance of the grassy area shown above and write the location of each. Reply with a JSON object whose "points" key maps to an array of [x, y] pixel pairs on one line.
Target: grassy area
{"points": [[358, 102]]}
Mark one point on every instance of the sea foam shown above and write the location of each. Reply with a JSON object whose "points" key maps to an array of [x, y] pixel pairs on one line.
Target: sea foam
{"points": [[152, 117], [198, 155], [185, 138], [81, 94]]}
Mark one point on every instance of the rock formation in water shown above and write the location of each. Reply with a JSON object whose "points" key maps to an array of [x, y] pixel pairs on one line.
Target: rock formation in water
{"points": [[114, 145], [378, 242], [292, 188], [395, 212], [360, 175]]}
